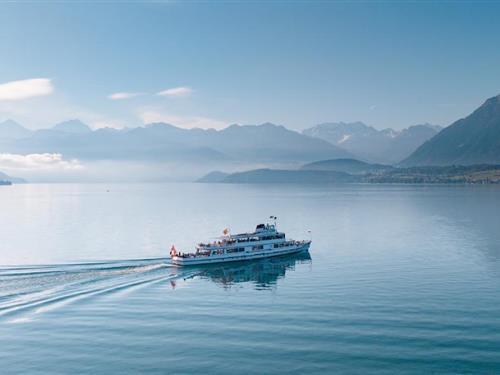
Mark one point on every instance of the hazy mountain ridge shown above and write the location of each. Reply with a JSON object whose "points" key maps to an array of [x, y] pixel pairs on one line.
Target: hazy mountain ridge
{"points": [[386, 146], [72, 126], [160, 142], [10, 129], [324, 152], [474, 139], [265, 143]]}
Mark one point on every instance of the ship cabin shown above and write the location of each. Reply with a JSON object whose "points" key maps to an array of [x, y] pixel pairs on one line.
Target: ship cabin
{"points": [[265, 237]]}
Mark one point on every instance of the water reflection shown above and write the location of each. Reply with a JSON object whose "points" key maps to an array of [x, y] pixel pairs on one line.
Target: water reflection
{"points": [[262, 273]]}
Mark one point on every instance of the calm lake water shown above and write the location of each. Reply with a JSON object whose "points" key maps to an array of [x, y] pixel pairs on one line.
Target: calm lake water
{"points": [[399, 279]]}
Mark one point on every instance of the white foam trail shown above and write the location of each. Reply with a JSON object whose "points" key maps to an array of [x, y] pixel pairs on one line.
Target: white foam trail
{"points": [[20, 320], [73, 283]]}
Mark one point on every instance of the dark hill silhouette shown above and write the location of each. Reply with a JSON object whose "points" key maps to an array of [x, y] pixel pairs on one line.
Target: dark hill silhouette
{"points": [[351, 166]]}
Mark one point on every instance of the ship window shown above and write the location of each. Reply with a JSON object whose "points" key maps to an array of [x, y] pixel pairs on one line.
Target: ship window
{"points": [[235, 250]]}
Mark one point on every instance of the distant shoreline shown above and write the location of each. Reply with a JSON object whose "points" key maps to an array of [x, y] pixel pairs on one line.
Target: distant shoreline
{"points": [[470, 175]]}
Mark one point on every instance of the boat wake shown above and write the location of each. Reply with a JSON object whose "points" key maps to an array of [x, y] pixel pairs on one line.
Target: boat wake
{"points": [[31, 290], [27, 291]]}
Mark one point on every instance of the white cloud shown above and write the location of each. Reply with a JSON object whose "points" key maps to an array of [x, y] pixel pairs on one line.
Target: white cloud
{"points": [[124, 95], [24, 89], [37, 162], [177, 92], [188, 122]]}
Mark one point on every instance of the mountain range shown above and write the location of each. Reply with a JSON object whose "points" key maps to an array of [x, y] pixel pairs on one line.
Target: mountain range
{"points": [[386, 146], [474, 139], [265, 143], [165, 142]]}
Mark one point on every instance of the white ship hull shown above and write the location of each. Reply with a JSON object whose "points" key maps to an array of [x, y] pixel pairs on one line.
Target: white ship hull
{"points": [[249, 255]]}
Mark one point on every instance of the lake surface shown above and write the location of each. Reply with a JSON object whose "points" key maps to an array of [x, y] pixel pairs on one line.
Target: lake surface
{"points": [[399, 279]]}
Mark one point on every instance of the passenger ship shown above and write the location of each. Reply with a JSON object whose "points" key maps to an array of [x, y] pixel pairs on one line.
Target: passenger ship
{"points": [[265, 242]]}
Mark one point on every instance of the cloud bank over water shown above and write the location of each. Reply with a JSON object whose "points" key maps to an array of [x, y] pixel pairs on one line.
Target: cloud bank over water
{"points": [[38, 162]]}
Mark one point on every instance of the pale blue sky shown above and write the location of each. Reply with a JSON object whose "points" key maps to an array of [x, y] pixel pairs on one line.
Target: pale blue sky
{"points": [[293, 63]]}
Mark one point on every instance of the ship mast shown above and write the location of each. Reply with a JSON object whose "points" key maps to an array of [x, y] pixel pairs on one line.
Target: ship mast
{"points": [[274, 218]]}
